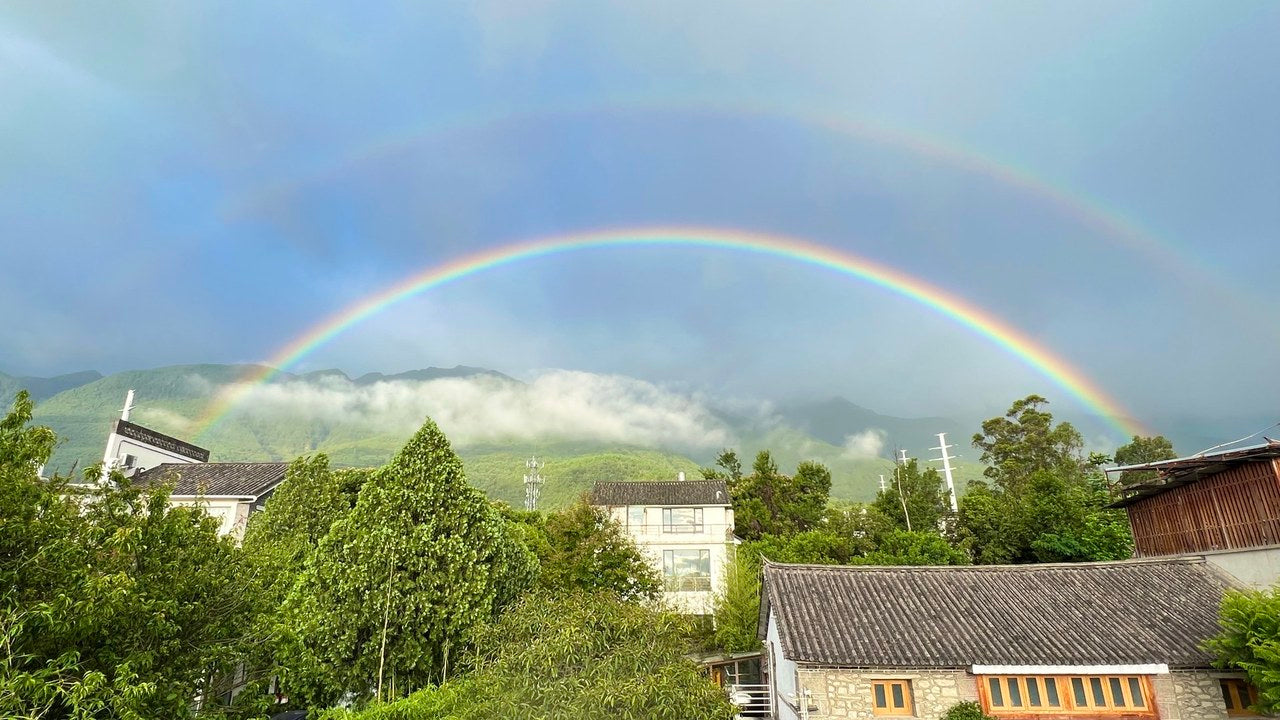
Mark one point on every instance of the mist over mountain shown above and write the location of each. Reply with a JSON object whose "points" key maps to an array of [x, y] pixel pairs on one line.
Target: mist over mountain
{"points": [[586, 426]]}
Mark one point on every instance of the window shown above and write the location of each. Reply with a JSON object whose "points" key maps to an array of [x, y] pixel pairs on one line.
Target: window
{"points": [[1024, 694], [635, 518], [891, 697], [682, 520], [1238, 696], [686, 570]]}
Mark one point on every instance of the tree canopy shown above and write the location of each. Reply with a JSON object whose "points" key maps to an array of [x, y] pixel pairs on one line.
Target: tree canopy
{"points": [[394, 591], [1143, 450], [913, 499], [767, 502], [1250, 641], [571, 656], [1044, 500], [112, 603]]}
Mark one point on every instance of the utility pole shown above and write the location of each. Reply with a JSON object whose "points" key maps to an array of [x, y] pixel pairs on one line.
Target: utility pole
{"points": [[946, 468], [532, 483], [882, 485], [902, 457]]}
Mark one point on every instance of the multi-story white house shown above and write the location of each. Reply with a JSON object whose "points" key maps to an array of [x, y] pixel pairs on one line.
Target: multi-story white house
{"points": [[684, 527]]}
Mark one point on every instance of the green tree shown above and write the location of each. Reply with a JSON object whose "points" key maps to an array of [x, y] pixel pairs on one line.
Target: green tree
{"points": [[767, 502], [736, 607], [1250, 641], [574, 656], [920, 547], [913, 500], [1044, 500], [581, 548], [394, 592], [1143, 450], [112, 603]]}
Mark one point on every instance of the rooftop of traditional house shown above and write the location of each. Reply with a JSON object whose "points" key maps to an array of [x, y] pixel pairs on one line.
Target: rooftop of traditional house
{"points": [[229, 479], [665, 492], [1128, 612], [1186, 470]]}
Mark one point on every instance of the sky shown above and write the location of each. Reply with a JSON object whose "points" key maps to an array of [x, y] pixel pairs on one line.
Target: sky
{"points": [[203, 182]]}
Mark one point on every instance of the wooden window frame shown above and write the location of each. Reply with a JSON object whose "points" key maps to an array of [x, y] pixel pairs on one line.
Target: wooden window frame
{"points": [[1067, 704], [909, 705], [1245, 694]]}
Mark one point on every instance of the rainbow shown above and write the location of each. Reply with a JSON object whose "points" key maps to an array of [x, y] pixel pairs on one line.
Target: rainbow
{"points": [[1085, 211], [981, 322]]}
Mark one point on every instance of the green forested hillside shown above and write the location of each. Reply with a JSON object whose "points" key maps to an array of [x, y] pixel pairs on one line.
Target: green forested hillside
{"points": [[170, 398]]}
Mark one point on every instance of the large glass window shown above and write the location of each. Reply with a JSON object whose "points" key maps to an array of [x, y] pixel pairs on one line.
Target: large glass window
{"points": [[635, 518], [682, 520], [686, 570], [1023, 694]]}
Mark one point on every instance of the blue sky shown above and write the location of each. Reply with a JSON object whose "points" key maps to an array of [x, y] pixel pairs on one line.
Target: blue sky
{"points": [[202, 182]]}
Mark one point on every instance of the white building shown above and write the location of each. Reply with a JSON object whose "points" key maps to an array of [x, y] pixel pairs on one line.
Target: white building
{"points": [[230, 492], [684, 527]]}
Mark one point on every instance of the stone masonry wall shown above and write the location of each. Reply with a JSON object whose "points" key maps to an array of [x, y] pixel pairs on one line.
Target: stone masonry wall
{"points": [[834, 693], [847, 693], [1189, 695]]}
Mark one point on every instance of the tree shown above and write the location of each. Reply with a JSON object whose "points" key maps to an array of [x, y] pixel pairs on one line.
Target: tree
{"points": [[581, 548], [574, 656], [768, 502], [1044, 501], [112, 603], [913, 500], [736, 606], [920, 547], [1143, 450], [1250, 641], [394, 592]]}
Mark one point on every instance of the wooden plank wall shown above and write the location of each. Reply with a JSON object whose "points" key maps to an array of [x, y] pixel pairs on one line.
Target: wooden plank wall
{"points": [[1235, 509]]}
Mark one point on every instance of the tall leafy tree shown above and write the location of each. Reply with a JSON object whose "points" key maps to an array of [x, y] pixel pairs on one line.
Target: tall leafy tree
{"points": [[1043, 500], [913, 499], [112, 603], [581, 548], [394, 592], [769, 502], [1143, 450]]}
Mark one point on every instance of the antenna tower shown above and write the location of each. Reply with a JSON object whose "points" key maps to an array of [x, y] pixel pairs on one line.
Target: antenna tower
{"points": [[532, 482], [946, 468]]}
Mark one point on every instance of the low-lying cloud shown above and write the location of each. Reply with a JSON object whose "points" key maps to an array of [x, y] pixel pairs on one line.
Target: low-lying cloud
{"points": [[558, 404], [866, 444]]}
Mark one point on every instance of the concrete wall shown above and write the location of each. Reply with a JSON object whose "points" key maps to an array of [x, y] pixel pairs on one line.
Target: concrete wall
{"points": [[782, 673], [652, 539], [847, 693], [232, 514], [1257, 567]]}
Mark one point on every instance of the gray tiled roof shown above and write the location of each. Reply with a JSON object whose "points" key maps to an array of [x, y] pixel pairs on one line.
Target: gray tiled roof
{"points": [[674, 492], [239, 479], [1130, 612]]}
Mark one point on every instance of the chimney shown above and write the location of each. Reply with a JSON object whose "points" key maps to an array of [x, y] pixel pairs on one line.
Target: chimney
{"points": [[680, 476]]}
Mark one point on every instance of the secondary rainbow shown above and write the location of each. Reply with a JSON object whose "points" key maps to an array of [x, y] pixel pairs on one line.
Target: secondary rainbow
{"points": [[981, 322]]}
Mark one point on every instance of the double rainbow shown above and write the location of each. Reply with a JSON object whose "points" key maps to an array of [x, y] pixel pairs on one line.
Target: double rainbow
{"points": [[979, 321]]}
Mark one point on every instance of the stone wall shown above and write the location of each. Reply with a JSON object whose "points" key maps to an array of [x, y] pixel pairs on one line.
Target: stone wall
{"points": [[834, 693], [1190, 695], [847, 693]]}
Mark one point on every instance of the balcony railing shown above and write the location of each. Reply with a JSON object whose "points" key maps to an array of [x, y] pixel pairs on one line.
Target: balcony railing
{"points": [[687, 583], [717, 531]]}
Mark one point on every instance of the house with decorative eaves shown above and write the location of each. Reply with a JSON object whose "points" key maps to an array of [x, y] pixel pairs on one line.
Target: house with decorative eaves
{"points": [[684, 527], [1117, 640]]}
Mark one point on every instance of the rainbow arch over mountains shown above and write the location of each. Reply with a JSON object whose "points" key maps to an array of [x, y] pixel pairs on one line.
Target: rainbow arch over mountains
{"points": [[979, 321]]}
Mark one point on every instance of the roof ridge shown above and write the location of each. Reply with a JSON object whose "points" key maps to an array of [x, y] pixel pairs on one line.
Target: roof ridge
{"points": [[1128, 562]]}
